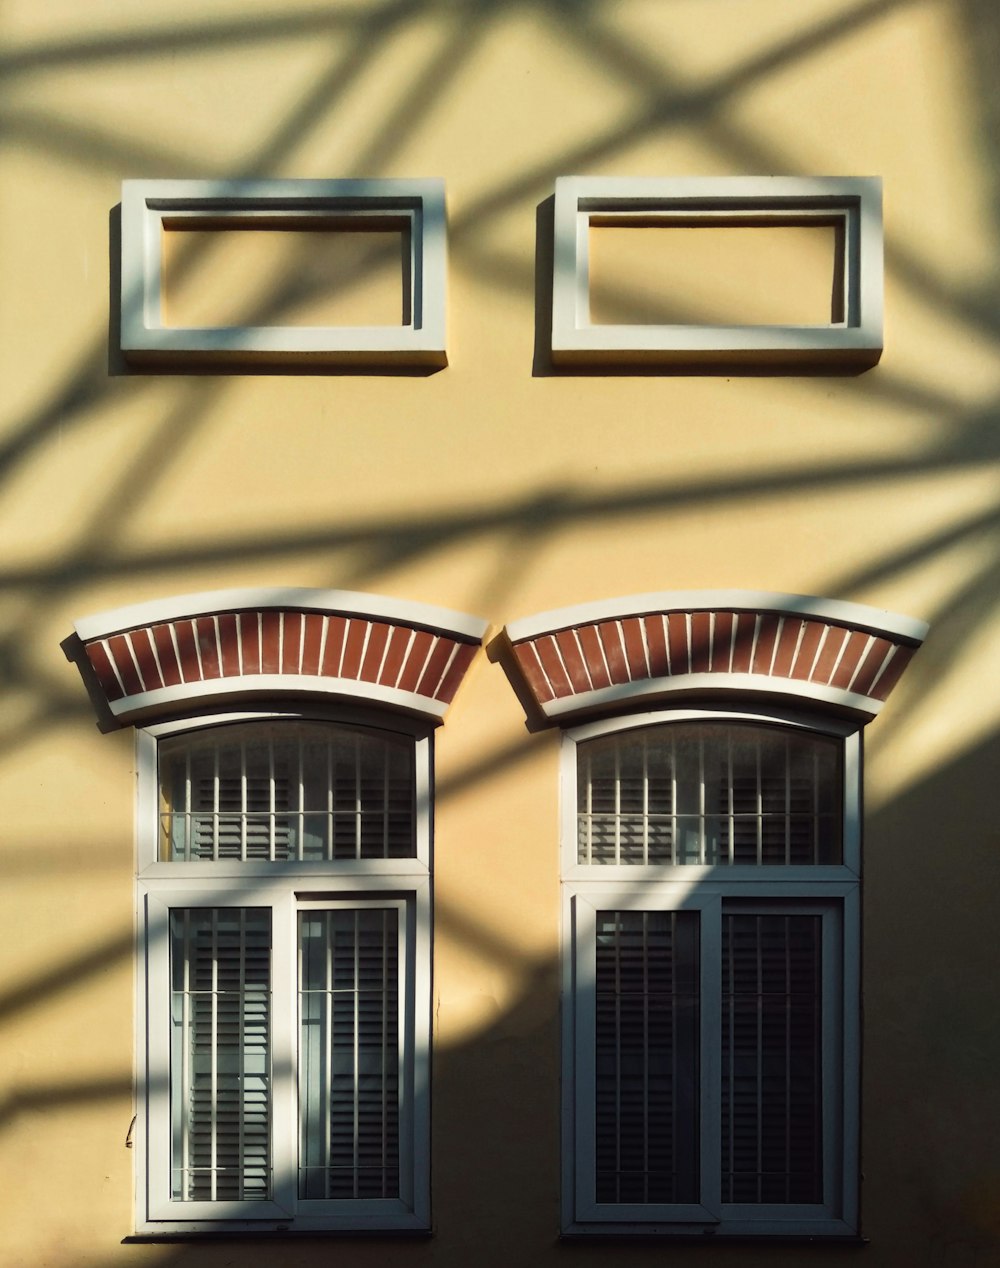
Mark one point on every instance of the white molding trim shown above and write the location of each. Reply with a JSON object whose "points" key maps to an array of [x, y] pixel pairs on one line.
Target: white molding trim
{"points": [[746, 687], [837, 611], [793, 719], [352, 603], [145, 340], [214, 691], [857, 201]]}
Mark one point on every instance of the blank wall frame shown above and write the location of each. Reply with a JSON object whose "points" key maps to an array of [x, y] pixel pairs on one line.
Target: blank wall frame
{"points": [[340, 272], [604, 320]]}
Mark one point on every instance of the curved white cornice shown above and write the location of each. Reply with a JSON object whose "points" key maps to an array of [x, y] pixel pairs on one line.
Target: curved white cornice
{"points": [[301, 599], [836, 611]]}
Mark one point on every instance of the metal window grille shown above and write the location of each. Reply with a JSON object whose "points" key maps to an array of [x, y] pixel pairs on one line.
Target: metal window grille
{"points": [[220, 1077], [702, 793], [647, 1060], [286, 791], [771, 1058], [349, 1054]]}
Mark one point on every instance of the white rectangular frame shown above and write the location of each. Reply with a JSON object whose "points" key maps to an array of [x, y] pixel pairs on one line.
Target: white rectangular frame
{"points": [[285, 889], [856, 342], [147, 342], [837, 1215], [833, 891], [156, 1212]]}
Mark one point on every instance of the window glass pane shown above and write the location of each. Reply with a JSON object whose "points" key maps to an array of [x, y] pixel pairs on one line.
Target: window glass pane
{"points": [[349, 1054], [771, 1058], [286, 790], [647, 1056], [710, 793], [220, 1059]]}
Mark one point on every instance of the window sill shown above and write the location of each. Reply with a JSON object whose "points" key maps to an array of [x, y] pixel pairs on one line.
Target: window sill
{"points": [[579, 1234], [278, 1235]]}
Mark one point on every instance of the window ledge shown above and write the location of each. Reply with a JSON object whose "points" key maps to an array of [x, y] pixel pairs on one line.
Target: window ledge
{"points": [[711, 1236], [278, 1235]]}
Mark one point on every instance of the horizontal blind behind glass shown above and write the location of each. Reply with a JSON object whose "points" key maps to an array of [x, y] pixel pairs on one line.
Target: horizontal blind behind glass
{"points": [[647, 1059], [349, 1054], [220, 1076], [771, 1058], [289, 790], [709, 793]]}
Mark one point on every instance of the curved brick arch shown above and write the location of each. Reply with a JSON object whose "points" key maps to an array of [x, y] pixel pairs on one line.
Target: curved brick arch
{"points": [[182, 652], [609, 655]]}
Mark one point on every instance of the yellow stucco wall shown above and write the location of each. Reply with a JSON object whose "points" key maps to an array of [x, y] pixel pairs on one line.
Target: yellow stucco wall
{"points": [[501, 492]]}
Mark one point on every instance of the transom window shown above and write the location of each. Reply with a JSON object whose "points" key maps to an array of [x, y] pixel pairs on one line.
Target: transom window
{"points": [[708, 793], [301, 791]]}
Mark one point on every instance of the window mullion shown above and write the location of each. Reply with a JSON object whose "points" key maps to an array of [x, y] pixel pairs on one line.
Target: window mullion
{"points": [[788, 801], [618, 1057], [284, 1045], [215, 806], [618, 806], [244, 801], [357, 797], [760, 1054], [588, 785], [384, 1105], [329, 1022], [645, 801], [710, 1081], [832, 1081], [788, 1056], [272, 799], [331, 806], [386, 794], [214, 1080], [730, 800], [816, 829], [241, 1115], [702, 812], [300, 751], [759, 803], [188, 808], [185, 1072], [674, 859], [356, 1080]]}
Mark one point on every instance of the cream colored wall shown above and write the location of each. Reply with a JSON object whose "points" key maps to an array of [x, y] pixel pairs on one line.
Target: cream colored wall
{"points": [[497, 491]]}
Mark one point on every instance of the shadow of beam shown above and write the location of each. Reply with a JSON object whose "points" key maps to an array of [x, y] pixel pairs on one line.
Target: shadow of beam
{"points": [[50, 1097], [43, 987]]}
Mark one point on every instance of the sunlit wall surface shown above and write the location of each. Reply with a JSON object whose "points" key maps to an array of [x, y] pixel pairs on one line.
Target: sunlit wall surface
{"points": [[498, 487]]}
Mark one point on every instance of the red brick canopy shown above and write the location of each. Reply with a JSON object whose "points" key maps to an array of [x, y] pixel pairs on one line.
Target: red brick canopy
{"points": [[403, 655], [604, 655]]}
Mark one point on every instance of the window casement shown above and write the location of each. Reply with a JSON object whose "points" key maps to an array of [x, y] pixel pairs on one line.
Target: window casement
{"points": [[284, 920], [711, 881]]}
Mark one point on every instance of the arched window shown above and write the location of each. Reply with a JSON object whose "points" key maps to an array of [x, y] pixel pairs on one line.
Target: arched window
{"points": [[711, 811], [711, 883], [284, 893], [284, 902]]}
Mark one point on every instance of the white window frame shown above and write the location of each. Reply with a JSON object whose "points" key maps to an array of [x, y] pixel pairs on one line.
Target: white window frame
{"points": [[285, 889], [831, 891]]}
